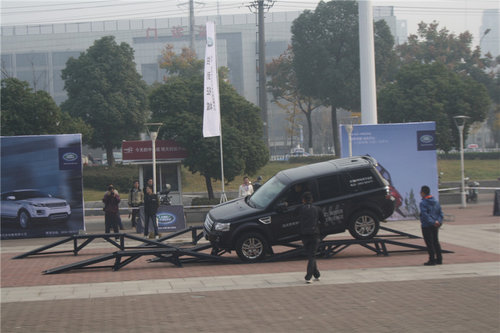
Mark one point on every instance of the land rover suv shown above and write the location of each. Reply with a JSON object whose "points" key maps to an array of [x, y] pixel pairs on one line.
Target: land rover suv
{"points": [[351, 192]]}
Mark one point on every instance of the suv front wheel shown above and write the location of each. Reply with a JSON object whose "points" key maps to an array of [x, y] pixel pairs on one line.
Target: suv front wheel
{"points": [[251, 246], [24, 218], [364, 225]]}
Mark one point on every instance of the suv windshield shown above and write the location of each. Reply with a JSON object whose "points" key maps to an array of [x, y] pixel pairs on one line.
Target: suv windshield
{"points": [[266, 193], [23, 195]]}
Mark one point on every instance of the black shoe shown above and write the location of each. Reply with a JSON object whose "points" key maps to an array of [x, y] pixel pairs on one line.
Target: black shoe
{"points": [[430, 263], [439, 262]]}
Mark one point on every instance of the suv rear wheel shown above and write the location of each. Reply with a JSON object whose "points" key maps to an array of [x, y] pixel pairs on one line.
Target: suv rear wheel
{"points": [[364, 225], [251, 246]]}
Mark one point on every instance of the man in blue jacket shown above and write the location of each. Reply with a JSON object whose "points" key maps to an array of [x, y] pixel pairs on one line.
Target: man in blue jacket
{"points": [[431, 218]]}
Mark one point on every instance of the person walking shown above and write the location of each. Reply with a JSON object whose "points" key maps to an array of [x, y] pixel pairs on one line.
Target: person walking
{"points": [[135, 200], [150, 208], [111, 200], [246, 188], [309, 217], [431, 219]]}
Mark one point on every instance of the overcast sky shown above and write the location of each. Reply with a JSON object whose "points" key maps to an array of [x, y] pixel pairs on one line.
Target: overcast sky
{"points": [[456, 15]]}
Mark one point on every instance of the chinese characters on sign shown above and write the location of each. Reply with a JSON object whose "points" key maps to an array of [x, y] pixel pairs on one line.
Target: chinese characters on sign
{"points": [[142, 150], [211, 109]]}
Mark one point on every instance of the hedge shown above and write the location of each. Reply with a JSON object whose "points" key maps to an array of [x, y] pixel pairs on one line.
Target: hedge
{"points": [[470, 156], [99, 177], [204, 201]]}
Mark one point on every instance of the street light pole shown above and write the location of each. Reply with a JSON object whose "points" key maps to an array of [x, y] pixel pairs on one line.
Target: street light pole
{"points": [[460, 123], [349, 127], [153, 129]]}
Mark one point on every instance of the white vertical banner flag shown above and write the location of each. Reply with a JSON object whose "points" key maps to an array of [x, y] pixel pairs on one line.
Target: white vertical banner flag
{"points": [[211, 108]]}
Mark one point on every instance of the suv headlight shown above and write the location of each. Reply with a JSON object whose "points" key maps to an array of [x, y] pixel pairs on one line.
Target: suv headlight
{"points": [[222, 226]]}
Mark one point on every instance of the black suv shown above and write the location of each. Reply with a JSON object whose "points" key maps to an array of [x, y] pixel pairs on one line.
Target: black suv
{"points": [[351, 192]]}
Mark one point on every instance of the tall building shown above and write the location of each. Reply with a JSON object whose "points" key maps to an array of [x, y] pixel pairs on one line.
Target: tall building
{"points": [[38, 54], [490, 32]]}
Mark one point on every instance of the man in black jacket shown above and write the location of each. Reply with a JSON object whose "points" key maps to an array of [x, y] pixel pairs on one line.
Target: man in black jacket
{"points": [[309, 216], [150, 208]]}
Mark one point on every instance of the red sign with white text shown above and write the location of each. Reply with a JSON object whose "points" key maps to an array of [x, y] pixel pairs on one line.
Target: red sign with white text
{"points": [[143, 150]]}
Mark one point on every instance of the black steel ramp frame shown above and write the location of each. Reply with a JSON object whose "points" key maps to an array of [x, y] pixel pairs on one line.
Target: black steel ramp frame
{"points": [[178, 255], [329, 248], [170, 254], [117, 240]]}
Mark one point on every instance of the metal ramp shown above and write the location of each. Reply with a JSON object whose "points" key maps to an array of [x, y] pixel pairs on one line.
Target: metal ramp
{"points": [[180, 254], [122, 258], [117, 240], [329, 248]]}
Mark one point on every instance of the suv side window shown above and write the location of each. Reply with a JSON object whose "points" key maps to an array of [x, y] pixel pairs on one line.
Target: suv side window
{"points": [[360, 180], [293, 196], [329, 187]]}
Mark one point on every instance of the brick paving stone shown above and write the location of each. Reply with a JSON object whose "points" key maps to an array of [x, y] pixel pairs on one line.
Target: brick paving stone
{"points": [[443, 305]]}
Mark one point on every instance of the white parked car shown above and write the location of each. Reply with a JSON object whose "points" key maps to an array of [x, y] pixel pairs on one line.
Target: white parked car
{"points": [[27, 206]]}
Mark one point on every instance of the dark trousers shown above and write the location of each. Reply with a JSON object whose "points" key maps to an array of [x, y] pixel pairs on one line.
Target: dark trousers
{"points": [[311, 245], [152, 218], [135, 214], [111, 221], [432, 242]]}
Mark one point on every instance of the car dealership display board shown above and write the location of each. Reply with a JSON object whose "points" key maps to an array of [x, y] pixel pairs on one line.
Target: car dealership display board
{"points": [[41, 184], [407, 159], [168, 218]]}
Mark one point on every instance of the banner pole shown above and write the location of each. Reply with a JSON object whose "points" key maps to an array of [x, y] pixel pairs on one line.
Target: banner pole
{"points": [[223, 197]]}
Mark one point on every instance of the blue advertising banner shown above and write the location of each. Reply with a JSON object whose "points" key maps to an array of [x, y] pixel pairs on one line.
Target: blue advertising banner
{"points": [[42, 189], [70, 158], [169, 219], [407, 159]]}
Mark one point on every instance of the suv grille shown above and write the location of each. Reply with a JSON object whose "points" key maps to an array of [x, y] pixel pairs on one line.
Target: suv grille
{"points": [[208, 223], [55, 204]]}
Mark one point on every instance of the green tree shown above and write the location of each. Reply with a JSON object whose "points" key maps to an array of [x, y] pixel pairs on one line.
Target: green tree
{"points": [[283, 86], [28, 112], [433, 44], [432, 92], [325, 45], [178, 103], [105, 90]]}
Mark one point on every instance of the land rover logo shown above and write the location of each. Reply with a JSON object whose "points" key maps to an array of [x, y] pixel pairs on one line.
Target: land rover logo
{"points": [[210, 41], [426, 138], [166, 218], [70, 157]]}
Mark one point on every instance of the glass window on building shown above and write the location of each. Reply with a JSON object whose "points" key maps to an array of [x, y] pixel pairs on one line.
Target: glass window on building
{"points": [[58, 81], [60, 97], [60, 58], [7, 70], [151, 73], [31, 60], [275, 49], [37, 79]]}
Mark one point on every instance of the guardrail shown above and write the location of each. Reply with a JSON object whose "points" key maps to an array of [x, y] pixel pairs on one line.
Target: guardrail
{"points": [[468, 188]]}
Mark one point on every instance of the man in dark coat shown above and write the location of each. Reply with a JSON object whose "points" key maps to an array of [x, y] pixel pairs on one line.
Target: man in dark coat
{"points": [[111, 218], [151, 205], [309, 217]]}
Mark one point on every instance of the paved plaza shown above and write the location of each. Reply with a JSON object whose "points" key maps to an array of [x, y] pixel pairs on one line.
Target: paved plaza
{"points": [[358, 292]]}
